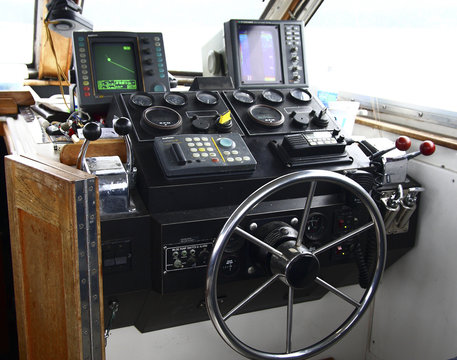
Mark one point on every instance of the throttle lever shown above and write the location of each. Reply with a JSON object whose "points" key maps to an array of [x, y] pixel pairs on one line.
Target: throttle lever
{"points": [[427, 148], [113, 178], [123, 126], [395, 169], [403, 143], [91, 132]]}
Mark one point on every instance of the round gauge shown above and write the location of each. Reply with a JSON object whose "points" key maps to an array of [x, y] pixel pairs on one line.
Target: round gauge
{"points": [[162, 118], [266, 115], [175, 98], [315, 227], [272, 95], [207, 97], [301, 95], [244, 96], [141, 99]]}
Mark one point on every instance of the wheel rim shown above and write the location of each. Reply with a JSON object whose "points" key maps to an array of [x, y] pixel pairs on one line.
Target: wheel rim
{"points": [[231, 227]]}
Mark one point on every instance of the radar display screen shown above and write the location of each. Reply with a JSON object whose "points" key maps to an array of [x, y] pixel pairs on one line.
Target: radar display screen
{"points": [[115, 67], [259, 54]]}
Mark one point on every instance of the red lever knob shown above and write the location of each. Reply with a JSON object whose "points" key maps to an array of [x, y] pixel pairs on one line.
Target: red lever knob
{"points": [[403, 143], [427, 148]]}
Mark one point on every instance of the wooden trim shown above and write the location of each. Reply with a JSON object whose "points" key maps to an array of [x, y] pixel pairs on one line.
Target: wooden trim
{"points": [[63, 46], [5, 133], [290, 9], [104, 147], [33, 82], [413, 133], [9, 101]]}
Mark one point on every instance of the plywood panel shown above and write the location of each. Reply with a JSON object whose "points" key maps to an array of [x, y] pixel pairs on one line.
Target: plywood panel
{"points": [[46, 260], [43, 278]]}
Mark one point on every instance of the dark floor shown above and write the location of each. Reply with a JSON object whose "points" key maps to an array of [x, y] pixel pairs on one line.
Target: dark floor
{"points": [[8, 337]]}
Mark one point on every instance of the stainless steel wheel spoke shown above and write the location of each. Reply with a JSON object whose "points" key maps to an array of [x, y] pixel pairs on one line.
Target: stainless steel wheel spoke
{"points": [[250, 296], [337, 292], [290, 306], [343, 238], [304, 220], [258, 242]]}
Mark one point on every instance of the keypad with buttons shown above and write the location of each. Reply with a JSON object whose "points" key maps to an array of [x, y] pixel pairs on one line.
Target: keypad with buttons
{"points": [[190, 155]]}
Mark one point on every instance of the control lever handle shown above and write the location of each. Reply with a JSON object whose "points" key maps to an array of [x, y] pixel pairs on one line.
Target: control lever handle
{"points": [[91, 132], [427, 148], [403, 143], [123, 126]]}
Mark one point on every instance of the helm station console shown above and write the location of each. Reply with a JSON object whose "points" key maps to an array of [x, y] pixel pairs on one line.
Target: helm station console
{"points": [[198, 154]]}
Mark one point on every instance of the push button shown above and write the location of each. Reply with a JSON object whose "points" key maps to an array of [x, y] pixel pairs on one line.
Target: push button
{"points": [[226, 143]]}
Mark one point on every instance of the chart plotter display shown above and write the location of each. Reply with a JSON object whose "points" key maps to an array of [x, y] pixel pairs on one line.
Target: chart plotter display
{"points": [[115, 67]]}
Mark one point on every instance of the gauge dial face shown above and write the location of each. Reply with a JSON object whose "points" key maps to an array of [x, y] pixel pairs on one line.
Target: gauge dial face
{"points": [[207, 97], [272, 95], [244, 96], [266, 115], [162, 118], [302, 95], [315, 227], [141, 99], [175, 99]]}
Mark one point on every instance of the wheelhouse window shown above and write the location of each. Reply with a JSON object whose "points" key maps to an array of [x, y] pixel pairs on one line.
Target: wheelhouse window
{"points": [[16, 31], [186, 25], [401, 51]]}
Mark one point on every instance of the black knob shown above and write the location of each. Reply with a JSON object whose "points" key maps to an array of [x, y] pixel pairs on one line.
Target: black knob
{"points": [[92, 131], [122, 126], [300, 118], [320, 119], [340, 138]]}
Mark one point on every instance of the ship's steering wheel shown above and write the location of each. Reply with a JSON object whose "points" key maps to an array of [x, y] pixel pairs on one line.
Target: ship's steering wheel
{"points": [[295, 264]]}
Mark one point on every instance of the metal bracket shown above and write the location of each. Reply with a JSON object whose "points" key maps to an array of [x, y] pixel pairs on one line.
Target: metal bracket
{"points": [[86, 216]]}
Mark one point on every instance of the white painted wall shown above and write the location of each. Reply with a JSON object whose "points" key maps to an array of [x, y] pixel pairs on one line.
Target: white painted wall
{"points": [[415, 314]]}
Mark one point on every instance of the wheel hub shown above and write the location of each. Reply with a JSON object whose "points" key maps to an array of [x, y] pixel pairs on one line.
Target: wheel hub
{"points": [[301, 267]]}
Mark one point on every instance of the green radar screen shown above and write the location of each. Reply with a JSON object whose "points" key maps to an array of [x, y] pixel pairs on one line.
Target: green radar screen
{"points": [[115, 68]]}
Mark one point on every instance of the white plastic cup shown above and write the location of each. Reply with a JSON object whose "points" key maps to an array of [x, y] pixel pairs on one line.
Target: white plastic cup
{"points": [[344, 113]]}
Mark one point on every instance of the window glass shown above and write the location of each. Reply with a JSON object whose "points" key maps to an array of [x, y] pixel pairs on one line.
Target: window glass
{"points": [[186, 25], [395, 50], [16, 31]]}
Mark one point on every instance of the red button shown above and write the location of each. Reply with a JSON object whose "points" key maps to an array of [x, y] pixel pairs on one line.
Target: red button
{"points": [[87, 94], [214, 160], [86, 88]]}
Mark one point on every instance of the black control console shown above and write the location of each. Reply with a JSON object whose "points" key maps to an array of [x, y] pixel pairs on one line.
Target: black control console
{"points": [[165, 113], [199, 154], [280, 111], [310, 135]]}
